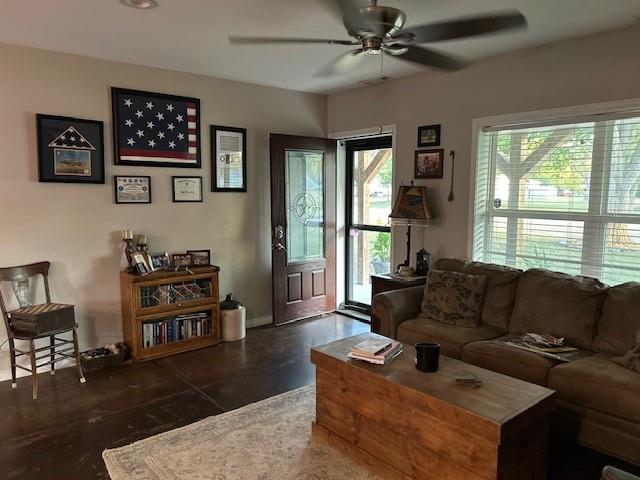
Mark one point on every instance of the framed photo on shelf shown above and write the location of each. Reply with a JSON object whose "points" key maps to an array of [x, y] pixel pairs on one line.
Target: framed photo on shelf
{"points": [[186, 189], [70, 150], [158, 261], [139, 263], [200, 258], [429, 163], [130, 189], [155, 130], [181, 260], [228, 159], [429, 136]]}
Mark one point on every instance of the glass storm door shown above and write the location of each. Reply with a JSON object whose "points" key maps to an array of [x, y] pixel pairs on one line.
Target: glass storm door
{"points": [[303, 212]]}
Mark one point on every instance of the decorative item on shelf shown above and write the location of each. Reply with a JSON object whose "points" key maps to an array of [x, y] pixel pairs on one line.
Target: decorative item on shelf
{"points": [[159, 261], [429, 164], [410, 209], [429, 136], [422, 262], [155, 130], [234, 319], [127, 238], [200, 258], [70, 150], [141, 243], [132, 189], [452, 154], [228, 159], [139, 263], [182, 261], [186, 189]]}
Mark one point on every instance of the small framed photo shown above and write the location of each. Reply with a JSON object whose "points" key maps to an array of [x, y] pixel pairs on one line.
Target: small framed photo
{"points": [[159, 261], [228, 159], [186, 189], [139, 263], [181, 260], [132, 189], [200, 258], [429, 136], [429, 163], [70, 150]]}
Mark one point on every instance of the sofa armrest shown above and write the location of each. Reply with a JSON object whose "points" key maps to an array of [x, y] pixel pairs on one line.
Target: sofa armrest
{"points": [[396, 306]]}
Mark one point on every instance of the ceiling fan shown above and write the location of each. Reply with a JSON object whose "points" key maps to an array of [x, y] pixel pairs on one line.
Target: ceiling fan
{"points": [[377, 29]]}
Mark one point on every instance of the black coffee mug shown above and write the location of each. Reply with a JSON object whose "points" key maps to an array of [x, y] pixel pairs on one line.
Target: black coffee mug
{"points": [[427, 356]]}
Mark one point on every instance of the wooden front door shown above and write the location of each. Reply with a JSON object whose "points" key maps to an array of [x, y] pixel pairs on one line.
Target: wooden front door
{"points": [[303, 226]]}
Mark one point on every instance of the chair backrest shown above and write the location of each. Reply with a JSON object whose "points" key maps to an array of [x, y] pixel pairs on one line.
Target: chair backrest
{"points": [[21, 272]]}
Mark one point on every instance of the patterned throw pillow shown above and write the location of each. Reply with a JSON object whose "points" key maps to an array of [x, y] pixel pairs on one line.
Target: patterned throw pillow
{"points": [[453, 298], [631, 359]]}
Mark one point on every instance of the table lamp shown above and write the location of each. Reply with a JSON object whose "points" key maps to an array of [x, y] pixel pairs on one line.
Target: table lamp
{"points": [[411, 209]]}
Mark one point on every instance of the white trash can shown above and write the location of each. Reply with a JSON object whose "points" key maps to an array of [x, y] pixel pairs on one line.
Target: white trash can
{"points": [[234, 320]]}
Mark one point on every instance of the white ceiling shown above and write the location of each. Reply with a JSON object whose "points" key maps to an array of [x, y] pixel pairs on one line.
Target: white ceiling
{"points": [[191, 35]]}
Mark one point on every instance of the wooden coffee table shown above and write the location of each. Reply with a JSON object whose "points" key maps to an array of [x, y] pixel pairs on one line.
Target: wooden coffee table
{"points": [[408, 424]]}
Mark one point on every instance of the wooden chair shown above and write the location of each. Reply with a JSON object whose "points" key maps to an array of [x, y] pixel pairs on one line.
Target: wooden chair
{"points": [[46, 322]]}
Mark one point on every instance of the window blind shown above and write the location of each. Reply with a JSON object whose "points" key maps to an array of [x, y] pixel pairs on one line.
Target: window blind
{"points": [[563, 196]]}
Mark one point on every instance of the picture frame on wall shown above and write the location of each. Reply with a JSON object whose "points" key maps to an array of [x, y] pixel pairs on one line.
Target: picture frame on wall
{"points": [[228, 159], [429, 136], [429, 164], [186, 189], [70, 150], [155, 129], [132, 189], [200, 258]]}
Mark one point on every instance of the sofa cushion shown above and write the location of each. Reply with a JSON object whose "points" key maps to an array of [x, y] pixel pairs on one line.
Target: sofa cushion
{"points": [[514, 362], [499, 292], [453, 298], [619, 321], [450, 337], [597, 383], [559, 304]]}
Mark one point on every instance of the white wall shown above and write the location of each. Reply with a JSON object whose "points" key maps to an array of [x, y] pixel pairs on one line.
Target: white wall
{"points": [[77, 226], [579, 71]]}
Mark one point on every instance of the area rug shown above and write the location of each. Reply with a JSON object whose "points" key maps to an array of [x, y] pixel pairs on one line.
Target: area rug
{"points": [[270, 439]]}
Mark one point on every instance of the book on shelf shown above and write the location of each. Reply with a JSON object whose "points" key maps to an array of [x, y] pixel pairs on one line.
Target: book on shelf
{"points": [[177, 328], [379, 352]]}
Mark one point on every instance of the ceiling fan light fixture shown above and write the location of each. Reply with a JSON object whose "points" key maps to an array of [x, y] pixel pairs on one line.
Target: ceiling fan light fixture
{"points": [[140, 4]]}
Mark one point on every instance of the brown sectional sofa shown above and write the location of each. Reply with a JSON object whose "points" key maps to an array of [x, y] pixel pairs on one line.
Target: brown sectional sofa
{"points": [[598, 401]]}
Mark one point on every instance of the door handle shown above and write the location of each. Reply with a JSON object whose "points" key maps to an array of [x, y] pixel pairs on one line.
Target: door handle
{"points": [[278, 232], [278, 247]]}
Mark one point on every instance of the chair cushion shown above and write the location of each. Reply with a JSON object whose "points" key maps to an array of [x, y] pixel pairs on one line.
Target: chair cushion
{"points": [[559, 304], [514, 362], [499, 292], [619, 321], [453, 298], [597, 383], [450, 337]]}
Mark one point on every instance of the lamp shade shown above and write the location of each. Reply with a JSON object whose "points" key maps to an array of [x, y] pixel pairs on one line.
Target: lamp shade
{"points": [[411, 207]]}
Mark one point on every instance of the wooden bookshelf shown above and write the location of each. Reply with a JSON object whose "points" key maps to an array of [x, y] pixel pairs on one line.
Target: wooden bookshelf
{"points": [[164, 313]]}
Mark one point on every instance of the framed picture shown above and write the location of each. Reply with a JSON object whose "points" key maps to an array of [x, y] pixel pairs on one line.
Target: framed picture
{"points": [[132, 189], [228, 159], [181, 260], [155, 130], [429, 136], [158, 261], [70, 150], [139, 263], [200, 258], [429, 163], [187, 189]]}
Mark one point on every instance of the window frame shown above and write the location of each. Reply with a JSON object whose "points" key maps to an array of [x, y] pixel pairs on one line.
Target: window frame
{"points": [[351, 147], [597, 216]]}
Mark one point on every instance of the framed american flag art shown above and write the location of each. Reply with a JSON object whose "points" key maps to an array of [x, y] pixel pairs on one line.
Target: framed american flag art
{"points": [[155, 130]]}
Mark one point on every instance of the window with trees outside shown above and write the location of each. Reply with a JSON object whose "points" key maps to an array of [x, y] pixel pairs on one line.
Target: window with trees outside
{"points": [[369, 202], [561, 195]]}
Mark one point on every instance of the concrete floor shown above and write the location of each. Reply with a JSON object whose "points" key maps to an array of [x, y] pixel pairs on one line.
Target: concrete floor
{"points": [[63, 433]]}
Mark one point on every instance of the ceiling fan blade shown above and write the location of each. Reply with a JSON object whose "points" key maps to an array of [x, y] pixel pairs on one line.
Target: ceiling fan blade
{"points": [[348, 11], [341, 64], [467, 27], [430, 58], [293, 41]]}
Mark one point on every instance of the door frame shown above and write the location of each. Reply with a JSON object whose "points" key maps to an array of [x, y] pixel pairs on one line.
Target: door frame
{"points": [[278, 217], [352, 146]]}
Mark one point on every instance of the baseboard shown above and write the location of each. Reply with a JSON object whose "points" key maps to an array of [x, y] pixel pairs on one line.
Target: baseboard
{"points": [[259, 321]]}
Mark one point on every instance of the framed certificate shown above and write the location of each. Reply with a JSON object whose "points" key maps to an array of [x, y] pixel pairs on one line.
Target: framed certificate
{"points": [[132, 189], [228, 159], [187, 189]]}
